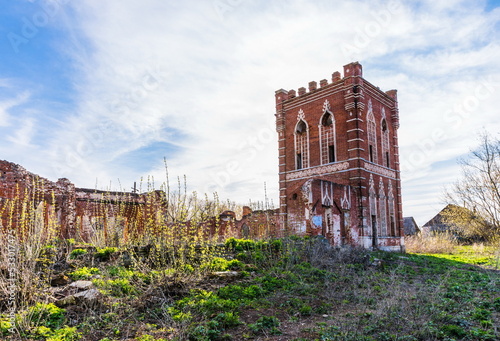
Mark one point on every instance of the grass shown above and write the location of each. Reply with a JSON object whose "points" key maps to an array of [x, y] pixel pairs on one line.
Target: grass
{"points": [[293, 289], [444, 246], [474, 254], [163, 286]]}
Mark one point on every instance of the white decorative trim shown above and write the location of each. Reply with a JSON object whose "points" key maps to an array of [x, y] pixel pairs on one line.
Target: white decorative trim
{"points": [[331, 168], [326, 193], [301, 115], [380, 170], [326, 106], [307, 191], [370, 107], [390, 192], [381, 191], [372, 185], [345, 202]]}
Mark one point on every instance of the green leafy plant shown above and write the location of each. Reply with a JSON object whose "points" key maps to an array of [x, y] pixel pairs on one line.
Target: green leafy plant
{"points": [[147, 337], [118, 287], [236, 292], [216, 264], [46, 314], [452, 330], [178, 315], [77, 252], [206, 303], [104, 254], [266, 323], [228, 319], [64, 334], [205, 332], [84, 273], [5, 327], [120, 272]]}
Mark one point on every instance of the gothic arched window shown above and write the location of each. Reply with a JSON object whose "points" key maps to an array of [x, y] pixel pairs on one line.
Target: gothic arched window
{"points": [[372, 138], [385, 143], [373, 208], [327, 138], [301, 145], [392, 211], [383, 209]]}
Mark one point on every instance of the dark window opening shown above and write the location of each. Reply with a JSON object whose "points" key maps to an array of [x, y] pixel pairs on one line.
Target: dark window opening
{"points": [[299, 161], [301, 127], [384, 126], [374, 231], [331, 153], [371, 153], [327, 120], [294, 196], [393, 227], [387, 163]]}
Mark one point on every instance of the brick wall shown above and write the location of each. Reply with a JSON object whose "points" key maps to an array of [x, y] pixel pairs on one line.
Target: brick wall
{"points": [[31, 204], [335, 118]]}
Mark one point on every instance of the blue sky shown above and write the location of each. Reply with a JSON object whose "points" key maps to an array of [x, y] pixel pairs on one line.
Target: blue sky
{"points": [[101, 91]]}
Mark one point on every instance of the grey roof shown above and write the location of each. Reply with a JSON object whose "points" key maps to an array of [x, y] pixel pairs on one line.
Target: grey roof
{"points": [[410, 226]]}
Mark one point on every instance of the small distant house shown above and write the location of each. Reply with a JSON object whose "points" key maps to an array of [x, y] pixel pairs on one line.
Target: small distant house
{"points": [[439, 223], [410, 226]]}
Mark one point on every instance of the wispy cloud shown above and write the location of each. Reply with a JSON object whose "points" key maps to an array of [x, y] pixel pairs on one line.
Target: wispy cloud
{"points": [[23, 136], [7, 104], [194, 82]]}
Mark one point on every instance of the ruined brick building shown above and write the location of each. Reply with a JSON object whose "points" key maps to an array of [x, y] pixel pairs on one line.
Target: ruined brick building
{"points": [[338, 161], [30, 204], [338, 176]]}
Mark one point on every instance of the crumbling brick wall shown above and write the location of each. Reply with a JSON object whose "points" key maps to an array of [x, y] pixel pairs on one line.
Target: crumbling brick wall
{"points": [[112, 217]]}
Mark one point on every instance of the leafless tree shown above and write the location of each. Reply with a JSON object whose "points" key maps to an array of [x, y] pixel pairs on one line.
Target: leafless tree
{"points": [[478, 192]]}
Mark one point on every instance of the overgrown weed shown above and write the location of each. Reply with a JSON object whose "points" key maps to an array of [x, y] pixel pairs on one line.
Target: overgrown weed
{"points": [[431, 243]]}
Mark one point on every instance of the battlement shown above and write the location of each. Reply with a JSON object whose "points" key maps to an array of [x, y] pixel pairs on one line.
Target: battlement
{"points": [[353, 69], [351, 72]]}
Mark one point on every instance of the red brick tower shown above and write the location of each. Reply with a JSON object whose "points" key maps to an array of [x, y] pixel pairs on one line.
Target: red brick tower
{"points": [[339, 162]]}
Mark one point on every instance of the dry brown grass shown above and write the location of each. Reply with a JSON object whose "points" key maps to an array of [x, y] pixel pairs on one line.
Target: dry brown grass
{"points": [[431, 243]]}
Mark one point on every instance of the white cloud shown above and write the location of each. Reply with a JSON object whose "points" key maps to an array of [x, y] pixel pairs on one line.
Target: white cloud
{"points": [[201, 79], [8, 104], [22, 137]]}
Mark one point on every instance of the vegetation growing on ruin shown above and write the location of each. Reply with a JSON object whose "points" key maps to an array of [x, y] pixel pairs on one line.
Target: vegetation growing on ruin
{"points": [[166, 286], [288, 289]]}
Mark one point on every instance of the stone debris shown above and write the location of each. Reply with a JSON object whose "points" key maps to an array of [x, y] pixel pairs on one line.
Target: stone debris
{"points": [[82, 285], [59, 280]]}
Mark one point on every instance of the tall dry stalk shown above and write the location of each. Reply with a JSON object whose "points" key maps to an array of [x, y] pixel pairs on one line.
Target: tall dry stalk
{"points": [[27, 246], [431, 243]]}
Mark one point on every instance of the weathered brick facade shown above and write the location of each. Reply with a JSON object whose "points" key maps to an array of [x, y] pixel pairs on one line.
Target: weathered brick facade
{"points": [[338, 161], [30, 204], [338, 175], [28, 201]]}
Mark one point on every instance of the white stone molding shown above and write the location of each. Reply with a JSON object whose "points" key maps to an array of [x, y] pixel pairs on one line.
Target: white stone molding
{"points": [[319, 170]]}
